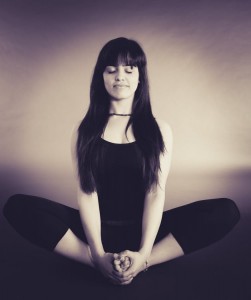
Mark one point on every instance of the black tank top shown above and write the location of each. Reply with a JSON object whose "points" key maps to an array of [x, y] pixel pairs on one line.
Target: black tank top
{"points": [[120, 185]]}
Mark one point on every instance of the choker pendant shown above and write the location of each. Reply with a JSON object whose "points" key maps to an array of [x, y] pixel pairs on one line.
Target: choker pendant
{"points": [[122, 115]]}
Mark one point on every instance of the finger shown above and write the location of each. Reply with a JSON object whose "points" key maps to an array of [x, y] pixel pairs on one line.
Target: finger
{"points": [[125, 253], [122, 258], [129, 272], [115, 255], [118, 268], [125, 279], [117, 265], [122, 277], [124, 268], [117, 274], [127, 282], [127, 262], [116, 262], [127, 259]]}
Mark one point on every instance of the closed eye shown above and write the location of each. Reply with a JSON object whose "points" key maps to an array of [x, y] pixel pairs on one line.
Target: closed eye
{"points": [[110, 69], [113, 69], [129, 69]]}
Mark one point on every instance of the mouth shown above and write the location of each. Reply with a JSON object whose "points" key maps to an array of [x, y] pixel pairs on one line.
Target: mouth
{"points": [[120, 86]]}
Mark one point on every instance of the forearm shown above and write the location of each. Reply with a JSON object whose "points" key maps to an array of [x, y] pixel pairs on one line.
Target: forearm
{"points": [[90, 217], [153, 210]]}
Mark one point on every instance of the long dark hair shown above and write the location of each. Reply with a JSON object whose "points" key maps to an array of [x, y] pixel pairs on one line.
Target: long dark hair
{"points": [[144, 125]]}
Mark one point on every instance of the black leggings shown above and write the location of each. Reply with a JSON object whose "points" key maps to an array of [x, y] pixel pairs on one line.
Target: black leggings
{"points": [[194, 225]]}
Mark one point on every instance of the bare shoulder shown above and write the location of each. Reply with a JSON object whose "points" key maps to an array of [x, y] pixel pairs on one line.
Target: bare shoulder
{"points": [[164, 127], [74, 137], [74, 133]]}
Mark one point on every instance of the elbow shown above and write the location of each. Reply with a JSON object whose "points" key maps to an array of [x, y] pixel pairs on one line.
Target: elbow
{"points": [[156, 195], [157, 191]]}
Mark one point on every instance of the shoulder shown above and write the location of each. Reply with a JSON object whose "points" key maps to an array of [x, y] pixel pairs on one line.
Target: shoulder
{"points": [[164, 127], [74, 137], [74, 132]]}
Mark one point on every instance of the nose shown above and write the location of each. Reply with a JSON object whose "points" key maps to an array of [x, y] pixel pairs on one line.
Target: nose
{"points": [[120, 75]]}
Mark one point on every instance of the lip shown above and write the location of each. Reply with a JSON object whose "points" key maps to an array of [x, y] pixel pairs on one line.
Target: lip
{"points": [[120, 85]]}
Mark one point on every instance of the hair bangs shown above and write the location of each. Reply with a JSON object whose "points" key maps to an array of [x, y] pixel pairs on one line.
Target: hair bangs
{"points": [[127, 59], [123, 52]]}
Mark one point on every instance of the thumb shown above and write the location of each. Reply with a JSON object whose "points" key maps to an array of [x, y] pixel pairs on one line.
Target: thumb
{"points": [[125, 253], [115, 255]]}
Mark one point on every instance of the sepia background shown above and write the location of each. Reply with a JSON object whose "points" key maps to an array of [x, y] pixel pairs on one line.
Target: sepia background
{"points": [[199, 56], [199, 64]]}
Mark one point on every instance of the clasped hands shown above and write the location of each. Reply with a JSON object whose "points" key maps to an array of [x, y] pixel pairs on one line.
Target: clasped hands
{"points": [[121, 268]]}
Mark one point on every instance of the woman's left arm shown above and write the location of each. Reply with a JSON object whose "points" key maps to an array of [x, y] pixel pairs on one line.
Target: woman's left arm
{"points": [[153, 207]]}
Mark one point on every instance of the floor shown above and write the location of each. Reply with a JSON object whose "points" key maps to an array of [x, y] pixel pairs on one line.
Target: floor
{"points": [[221, 271]]}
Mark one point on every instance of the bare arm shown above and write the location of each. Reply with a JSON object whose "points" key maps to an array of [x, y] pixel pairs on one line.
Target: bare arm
{"points": [[90, 217], [88, 208], [155, 199]]}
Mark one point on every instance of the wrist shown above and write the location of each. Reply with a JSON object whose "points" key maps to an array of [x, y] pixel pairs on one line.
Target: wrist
{"points": [[96, 254], [146, 266], [145, 253]]}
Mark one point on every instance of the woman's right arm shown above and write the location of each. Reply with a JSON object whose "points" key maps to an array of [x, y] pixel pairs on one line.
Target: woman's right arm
{"points": [[88, 208], [90, 216]]}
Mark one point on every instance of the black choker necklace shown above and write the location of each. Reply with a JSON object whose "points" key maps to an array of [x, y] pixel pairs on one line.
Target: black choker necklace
{"points": [[122, 115]]}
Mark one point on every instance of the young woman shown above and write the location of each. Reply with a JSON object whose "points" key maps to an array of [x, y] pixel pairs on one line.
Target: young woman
{"points": [[123, 157]]}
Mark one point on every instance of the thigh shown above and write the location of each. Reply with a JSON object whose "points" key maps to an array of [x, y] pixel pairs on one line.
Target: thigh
{"points": [[42, 221], [200, 223]]}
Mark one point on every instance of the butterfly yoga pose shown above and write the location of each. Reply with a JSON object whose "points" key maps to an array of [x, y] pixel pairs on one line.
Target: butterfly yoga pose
{"points": [[122, 154]]}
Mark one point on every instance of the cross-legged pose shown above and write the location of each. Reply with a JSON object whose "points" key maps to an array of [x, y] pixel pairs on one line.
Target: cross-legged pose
{"points": [[122, 154]]}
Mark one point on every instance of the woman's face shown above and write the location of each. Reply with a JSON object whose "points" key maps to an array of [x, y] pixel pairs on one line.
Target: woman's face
{"points": [[121, 81]]}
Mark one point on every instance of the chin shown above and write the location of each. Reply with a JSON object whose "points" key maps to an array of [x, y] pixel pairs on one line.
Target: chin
{"points": [[121, 97]]}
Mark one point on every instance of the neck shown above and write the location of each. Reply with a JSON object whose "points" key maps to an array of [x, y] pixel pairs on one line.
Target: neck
{"points": [[120, 107]]}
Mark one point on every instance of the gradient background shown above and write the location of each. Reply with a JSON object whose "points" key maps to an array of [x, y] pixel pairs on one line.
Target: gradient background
{"points": [[199, 63]]}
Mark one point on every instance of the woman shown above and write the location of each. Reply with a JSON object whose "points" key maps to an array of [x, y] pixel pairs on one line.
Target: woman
{"points": [[123, 158]]}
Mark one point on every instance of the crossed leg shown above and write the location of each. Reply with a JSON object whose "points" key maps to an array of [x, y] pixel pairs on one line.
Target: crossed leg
{"points": [[72, 247], [183, 229]]}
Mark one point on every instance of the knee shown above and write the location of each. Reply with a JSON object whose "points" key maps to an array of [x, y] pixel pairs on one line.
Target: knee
{"points": [[229, 212]]}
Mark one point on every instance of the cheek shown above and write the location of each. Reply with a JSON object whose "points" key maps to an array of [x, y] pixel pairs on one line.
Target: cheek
{"points": [[107, 83], [104, 79], [135, 80], [135, 83]]}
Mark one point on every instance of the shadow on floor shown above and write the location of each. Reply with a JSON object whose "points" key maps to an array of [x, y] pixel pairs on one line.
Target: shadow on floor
{"points": [[219, 272]]}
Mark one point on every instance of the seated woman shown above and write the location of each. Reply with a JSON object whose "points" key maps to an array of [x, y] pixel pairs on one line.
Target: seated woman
{"points": [[123, 157]]}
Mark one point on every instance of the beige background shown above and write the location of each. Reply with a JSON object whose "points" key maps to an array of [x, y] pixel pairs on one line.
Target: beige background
{"points": [[199, 55]]}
